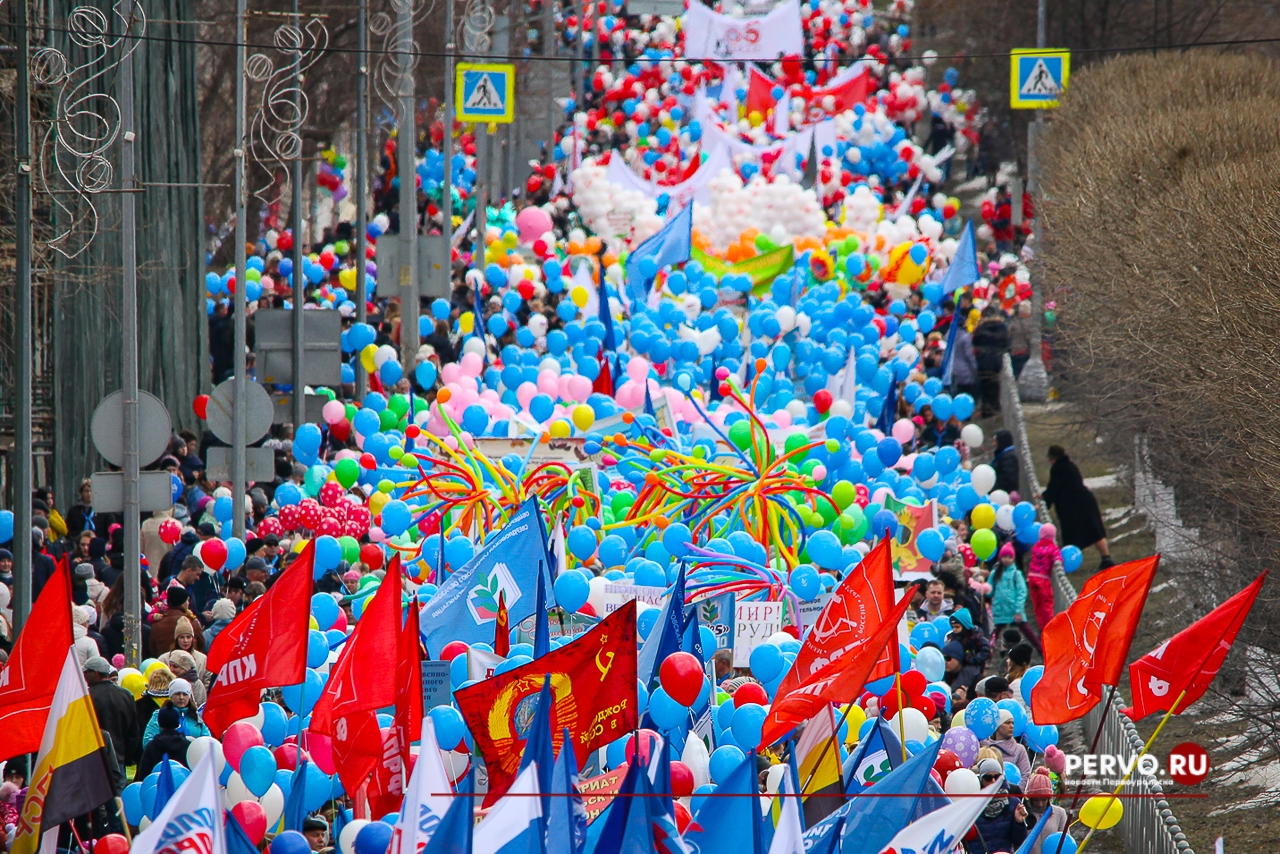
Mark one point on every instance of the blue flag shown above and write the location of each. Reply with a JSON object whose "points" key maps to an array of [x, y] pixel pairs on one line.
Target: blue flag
{"points": [[964, 264], [537, 747], [668, 636], [541, 631], [465, 607], [876, 755], [605, 314], [453, 833], [948, 358], [671, 245], [731, 825], [603, 833], [238, 841], [888, 412], [872, 819], [295, 811], [567, 822], [164, 785]]}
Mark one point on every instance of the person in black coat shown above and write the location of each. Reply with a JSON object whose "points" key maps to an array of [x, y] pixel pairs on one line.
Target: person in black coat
{"points": [[1079, 519], [170, 741], [114, 707], [1005, 462], [990, 343]]}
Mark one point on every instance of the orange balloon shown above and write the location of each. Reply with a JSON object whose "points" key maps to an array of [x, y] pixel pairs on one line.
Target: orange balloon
{"points": [[733, 253], [575, 248], [593, 245], [610, 259]]}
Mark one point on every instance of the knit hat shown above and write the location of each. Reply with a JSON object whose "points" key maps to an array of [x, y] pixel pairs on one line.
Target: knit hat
{"points": [[181, 662], [84, 570], [953, 649], [98, 664], [168, 717], [1048, 532], [183, 627], [1006, 716], [351, 575], [79, 617], [1007, 550], [963, 617], [988, 766], [223, 609], [1021, 654], [1038, 785], [179, 686]]}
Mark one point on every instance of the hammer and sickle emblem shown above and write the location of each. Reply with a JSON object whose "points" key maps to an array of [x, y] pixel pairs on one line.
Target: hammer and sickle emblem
{"points": [[608, 665]]}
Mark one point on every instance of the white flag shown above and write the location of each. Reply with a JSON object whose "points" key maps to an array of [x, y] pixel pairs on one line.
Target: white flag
{"points": [[192, 820], [941, 830], [788, 836], [427, 799], [480, 664], [516, 813]]}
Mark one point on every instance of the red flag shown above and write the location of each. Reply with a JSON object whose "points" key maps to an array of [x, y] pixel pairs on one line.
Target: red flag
{"points": [[837, 682], [760, 92], [29, 680], [359, 683], [1189, 660], [1085, 647], [603, 383], [590, 679], [501, 628], [264, 647], [847, 94], [409, 708]]}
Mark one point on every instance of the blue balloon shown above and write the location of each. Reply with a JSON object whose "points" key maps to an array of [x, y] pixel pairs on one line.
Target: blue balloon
{"points": [[1039, 738], [302, 697], [425, 373], [962, 407], [805, 583], [766, 662], [982, 716], [317, 649], [258, 770], [293, 842], [1024, 513], [1072, 557], [475, 420], [889, 451], [319, 787], [676, 539], [931, 544], [457, 551], [275, 724], [328, 554], [581, 542], [612, 551], [724, 760], [450, 727], [572, 590], [748, 725], [307, 436], [884, 524], [646, 621], [666, 713], [6, 526], [542, 407], [1059, 843], [235, 554], [132, 799], [1029, 681], [396, 518], [223, 509], [825, 549], [325, 609]]}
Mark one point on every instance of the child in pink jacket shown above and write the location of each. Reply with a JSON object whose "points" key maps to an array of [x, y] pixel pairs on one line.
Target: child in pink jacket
{"points": [[1044, 554]]}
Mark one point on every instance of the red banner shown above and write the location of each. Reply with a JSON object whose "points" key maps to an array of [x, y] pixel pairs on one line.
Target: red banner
{"points": [[598, 792]]}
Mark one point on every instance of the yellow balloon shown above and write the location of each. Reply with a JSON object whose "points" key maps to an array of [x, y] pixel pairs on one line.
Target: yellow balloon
{"points": [[583, 416], [377, 501], [958, 716], [560, 429], [856, 718], [983, 516], [510, 239], [347, 278], [152, 667], [134, 683], [1101, 812], [466, 323], [366, 357], [299, 545], [579, 296], [315, 627]]}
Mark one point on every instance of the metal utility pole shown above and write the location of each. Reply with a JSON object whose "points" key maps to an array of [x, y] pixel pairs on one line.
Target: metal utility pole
{"points": [[481, 196], [295, 203], [1033, 382], [446, 141], [23, 482], [129, 365], [362, 180], [579, 67], [405, 134], [239, 304]]}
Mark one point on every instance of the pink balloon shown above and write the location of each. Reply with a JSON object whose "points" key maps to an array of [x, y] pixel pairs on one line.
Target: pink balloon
{"points": [[548, 383], [238, 738], [253, 819], [320, 747], [782, 418], [638, 369], [562, 386], [525, 393], [579, 388], [334, 412], [532, 223], [903, 430], [472, 364], [450, 373]]}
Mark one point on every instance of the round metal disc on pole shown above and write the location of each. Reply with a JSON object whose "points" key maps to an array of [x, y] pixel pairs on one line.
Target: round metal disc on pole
{"points": [[155, 429], [258, 411]]}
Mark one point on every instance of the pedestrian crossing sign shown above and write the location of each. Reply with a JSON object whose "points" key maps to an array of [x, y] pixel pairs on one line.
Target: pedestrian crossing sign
{"points": [[1038, 77], [485, 92]]}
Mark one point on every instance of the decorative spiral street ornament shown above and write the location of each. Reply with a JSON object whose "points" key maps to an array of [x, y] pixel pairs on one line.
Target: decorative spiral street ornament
{"points": [[396, 57], [85, 122], [275, 131]]}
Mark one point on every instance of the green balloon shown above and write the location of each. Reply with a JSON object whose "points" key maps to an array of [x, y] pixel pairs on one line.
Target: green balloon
{"points": [[740, 434], [387, 419], [351, 411], [795, 442], [826, 512], [350, 548], [621, 502], [399, 404], [843, 493], [347, 472], [983, 543]]}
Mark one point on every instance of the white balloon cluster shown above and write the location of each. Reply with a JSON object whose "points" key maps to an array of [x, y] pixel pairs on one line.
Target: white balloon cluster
{"points": [[610, 210], [782, 209]]}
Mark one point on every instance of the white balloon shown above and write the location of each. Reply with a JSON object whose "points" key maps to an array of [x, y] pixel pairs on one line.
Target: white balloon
{"points": [[983, 478], [843, 408], [455, 764], [999, 497], [237, 791], [144, 823], [273, 803], [550, 364], [962, 781], [695, 756], [473, 345], [202, 745], [1004, 518], [595, 595], [972, 436], [779, 638], [914, 725], [786, 318], [384, 354], [347, 838]]}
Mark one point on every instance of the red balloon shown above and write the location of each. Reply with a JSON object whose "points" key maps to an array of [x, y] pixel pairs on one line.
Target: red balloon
{"points": [[329, 526], [682, 678], [368, 461], [320, 748], [214, 553], [331, 494], [341, 430], [683, 816], [822, 400], [649, 741], [112, 843], [681, 780], [452, 650], [251, 815], [913, 683], [170, 531], [371, 556], [287, 755], [201, 405], [750, 692], [238, 738], [925, 706], [289, 516]]}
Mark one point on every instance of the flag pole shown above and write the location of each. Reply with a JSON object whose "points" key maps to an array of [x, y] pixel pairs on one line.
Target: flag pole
{"points": [[1097, 734], [1127, 774], [902, 724]]}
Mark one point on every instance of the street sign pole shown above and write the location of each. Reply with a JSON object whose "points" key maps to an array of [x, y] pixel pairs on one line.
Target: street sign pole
{"points": [[446, 144], [405, 138], [23, 461], [129, 367], [1033, 381], [238, 298], [299, 280], [362, 182]]}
